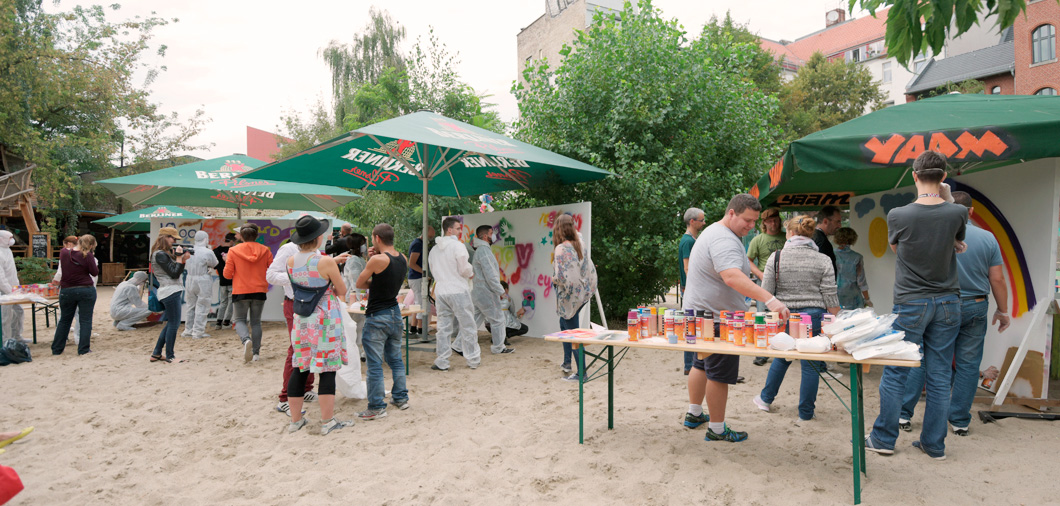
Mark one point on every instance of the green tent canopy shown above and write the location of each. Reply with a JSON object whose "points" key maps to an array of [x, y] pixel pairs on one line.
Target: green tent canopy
{"points": [[875, 152], [212, 183], [335, 222], [140, 221]]}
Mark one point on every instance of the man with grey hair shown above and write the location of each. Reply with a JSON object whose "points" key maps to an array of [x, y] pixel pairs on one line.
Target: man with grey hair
{"points": [[695, 221]]}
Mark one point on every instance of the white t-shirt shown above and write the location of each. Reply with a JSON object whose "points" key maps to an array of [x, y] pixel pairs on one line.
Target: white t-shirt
{"points": [[717, 249]]}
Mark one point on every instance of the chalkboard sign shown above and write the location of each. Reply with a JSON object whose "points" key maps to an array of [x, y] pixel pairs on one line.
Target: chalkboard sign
{"points": [[41, 245]]}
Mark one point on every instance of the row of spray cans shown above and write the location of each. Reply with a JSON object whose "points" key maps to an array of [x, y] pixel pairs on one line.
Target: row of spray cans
{"points": [[741, 328]]}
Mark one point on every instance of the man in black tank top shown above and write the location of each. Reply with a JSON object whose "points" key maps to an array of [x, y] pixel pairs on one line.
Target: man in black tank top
{"points": [[383, 276]]}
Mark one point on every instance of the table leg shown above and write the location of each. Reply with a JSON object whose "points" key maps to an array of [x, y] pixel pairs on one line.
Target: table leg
{"points": [[861, 415], [610, 387], [46, 322], [856, 425], [33, 316], [581, 392]]}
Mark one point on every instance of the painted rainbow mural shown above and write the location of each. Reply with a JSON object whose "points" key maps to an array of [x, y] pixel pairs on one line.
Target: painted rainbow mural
{"points": [[988, 217]]}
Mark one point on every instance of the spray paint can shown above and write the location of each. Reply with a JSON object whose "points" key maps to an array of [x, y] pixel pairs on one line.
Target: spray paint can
{"points": [[633, 324]]}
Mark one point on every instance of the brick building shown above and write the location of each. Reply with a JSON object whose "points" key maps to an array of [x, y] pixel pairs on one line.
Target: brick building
{"points": [[1036, 69]]}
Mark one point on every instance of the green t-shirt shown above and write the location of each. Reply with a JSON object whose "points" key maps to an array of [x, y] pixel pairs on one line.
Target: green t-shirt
{"points": [[684, 250], [764, 245]]}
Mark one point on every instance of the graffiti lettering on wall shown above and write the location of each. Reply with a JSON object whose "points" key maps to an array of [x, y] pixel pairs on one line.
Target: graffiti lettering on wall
{"points": [[545, 282], [549, 219]]}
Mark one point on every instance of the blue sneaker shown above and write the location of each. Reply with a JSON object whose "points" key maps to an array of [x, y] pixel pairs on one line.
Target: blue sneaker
{"points": [[693, 421], [726, 435], [870, 446]]}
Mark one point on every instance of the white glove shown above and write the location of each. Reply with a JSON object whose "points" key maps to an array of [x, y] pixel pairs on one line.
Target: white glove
{"points": [[1000, 317], [779, 307], [944, 192]]}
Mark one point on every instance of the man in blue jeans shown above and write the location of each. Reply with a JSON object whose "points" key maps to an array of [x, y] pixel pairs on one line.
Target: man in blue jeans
{"points": [[925, 235], [383, 276], [695, 222], [980, 271]]}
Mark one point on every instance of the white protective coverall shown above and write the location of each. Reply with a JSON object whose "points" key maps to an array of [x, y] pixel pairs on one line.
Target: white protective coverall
{"points": [[354, 266], [449, 266], [126, 306], [486, 293], [13, 314], [198, 286]]}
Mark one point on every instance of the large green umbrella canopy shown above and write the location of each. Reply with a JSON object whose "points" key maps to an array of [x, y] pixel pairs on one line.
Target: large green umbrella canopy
{"points": [[140, 221], [212, 183], [875, 152], [430, 154], [335, 222]]}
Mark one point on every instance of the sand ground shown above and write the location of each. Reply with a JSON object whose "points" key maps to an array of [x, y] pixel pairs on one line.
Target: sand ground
{"points": [[112, 428]]}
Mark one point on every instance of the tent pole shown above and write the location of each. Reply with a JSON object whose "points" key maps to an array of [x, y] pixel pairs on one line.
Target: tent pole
{"points": [[239, 212], [426, 286]]}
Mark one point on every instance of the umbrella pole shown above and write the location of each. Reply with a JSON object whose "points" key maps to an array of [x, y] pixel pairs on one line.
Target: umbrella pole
{"points": [[239, 213], [426, 286]]}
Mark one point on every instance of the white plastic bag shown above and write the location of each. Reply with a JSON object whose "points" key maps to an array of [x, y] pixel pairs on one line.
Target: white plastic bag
{"points": [[846, 320], [900, 350], [884, 338], [815, 344], [782, 341], [348, 380], [851, 338]]}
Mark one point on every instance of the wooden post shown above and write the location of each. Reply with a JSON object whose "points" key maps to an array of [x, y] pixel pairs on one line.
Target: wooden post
{"points": [[27, 215]]}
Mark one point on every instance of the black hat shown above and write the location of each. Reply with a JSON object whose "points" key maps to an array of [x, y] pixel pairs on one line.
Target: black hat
{"points": [[308, 228]]}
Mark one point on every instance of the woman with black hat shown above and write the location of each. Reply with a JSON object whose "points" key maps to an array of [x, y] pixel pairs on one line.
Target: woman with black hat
{"points": [[318, 338]]}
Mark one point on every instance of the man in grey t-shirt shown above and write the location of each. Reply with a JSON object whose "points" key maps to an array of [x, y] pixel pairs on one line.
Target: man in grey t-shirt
{"points": [[718, 280], [923, 234]]}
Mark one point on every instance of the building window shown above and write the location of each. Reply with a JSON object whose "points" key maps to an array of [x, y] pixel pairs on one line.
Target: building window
{"points": [[996, 90], [1043, 44], [919, 63], [855, 55], [1046, 91], [886, 72]]}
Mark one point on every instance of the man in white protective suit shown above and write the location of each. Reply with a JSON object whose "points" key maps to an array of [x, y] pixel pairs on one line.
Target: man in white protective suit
{"points": [[126, 306], [451, 270], [12, 314], [487, 291], [198, 286]]}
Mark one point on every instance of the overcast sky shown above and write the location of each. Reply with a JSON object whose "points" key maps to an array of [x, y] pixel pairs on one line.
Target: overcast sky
{"points": [[246, 62]]}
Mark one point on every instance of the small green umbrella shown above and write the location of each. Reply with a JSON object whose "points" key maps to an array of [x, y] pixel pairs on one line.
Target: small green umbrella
{"points": [[140, 221], [875, 152], [211, 183], [335, 222], [430, 154]]}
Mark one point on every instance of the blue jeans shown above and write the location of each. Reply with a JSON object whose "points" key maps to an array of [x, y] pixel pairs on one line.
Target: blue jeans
{"points": [[382, 339], [933, 324], [567, 324], [168, 336], [967, 354], [82, 299], [810, 368]]}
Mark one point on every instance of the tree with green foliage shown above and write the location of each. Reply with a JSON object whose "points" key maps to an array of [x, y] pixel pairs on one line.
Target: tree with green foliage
{"points": [[763, 69], [966, 87], [365, 60], [913, 26], [69, 103], [826, 93], [673, 118]]}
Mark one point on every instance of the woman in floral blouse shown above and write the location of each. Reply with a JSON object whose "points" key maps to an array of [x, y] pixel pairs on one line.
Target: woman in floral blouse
{"points": [[573, 282]]}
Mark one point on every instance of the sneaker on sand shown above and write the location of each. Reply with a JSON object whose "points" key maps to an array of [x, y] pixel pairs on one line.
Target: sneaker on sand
{"points": [[256, 358], [436, 368], [693, 421], [763, 405], [869, 446], [248, 351], [295, 426], [217, 326], [799, 422], [905, 425], [402, 405], [372, 414], [917, 445], [284, 408], [186, 333], [572, 377], [566, 369], [726, 435], [506, 350], [309, 396], [333, 425], [760, 360], [960, 431]]}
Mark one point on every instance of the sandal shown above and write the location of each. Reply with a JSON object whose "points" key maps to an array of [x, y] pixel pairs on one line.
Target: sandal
{"points": [[25, 432]]}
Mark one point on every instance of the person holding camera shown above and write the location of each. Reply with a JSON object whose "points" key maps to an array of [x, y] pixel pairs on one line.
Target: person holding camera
{"points": [[246, 266], [167, 265]]}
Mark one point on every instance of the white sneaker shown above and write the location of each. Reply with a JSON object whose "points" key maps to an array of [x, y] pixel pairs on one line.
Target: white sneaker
{"points": [[760, 403], [186, 333], [201, 335], [799, 422], [255, 359], [248, 351]]}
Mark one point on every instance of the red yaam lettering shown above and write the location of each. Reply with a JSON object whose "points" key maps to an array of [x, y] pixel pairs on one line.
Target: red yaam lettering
{"points": [[988, 142], [939, 142], [882, 151], [913, 147], [775, 173]]}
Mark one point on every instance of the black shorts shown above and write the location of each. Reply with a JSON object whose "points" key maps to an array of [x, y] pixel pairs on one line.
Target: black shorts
{"points": [[720, 368]]}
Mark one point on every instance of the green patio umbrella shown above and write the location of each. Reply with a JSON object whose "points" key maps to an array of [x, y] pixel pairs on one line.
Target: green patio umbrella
{"points": [[430, 154], [211, 183], [140, 221], [875, 152], [335, 222]]}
